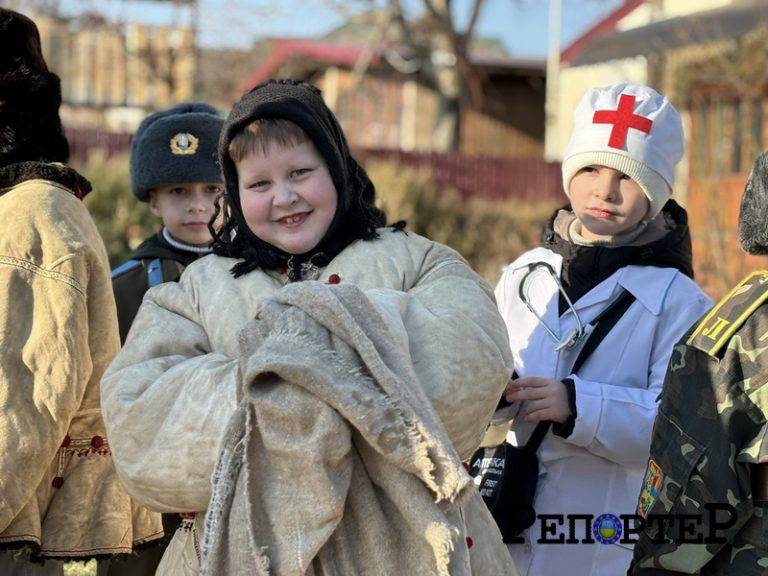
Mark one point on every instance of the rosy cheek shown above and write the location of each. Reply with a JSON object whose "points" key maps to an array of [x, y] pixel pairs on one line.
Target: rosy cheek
{"points": [[260, 209]]}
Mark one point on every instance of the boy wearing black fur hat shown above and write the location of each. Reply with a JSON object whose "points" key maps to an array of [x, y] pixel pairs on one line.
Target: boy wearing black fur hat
{"points": [[174, 169], [60, 497], [349, 473]]}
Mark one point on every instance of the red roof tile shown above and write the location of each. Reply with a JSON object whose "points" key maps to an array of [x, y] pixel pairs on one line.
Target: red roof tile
{"points": [[607, 24]]}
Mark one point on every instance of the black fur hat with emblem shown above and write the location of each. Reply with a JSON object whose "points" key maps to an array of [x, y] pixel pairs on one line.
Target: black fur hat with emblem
{"points": [[176, 146], [30, 96], [753, 230]]}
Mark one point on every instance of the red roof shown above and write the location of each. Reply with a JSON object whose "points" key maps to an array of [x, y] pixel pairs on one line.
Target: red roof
{"points": [[607, 24], [284, 49]]}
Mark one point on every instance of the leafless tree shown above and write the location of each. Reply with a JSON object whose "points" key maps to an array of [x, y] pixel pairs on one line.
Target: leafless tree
{"points": [[437, 48], [41, 6], [446, 63]]}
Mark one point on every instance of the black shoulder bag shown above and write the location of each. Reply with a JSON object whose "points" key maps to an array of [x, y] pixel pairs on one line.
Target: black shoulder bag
{"points": [[507, 475]]}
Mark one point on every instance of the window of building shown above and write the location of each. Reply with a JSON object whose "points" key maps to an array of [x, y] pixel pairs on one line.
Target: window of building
{"points": [[756, 127], [701, 146], [736, 114], [719, 139]]}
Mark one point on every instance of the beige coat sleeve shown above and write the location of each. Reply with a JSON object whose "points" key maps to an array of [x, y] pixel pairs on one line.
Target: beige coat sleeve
{"points": [[457, 340], [45, 365], [166, 400]]}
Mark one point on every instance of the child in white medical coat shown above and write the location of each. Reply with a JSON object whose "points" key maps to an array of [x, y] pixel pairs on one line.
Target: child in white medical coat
{"points": [[620, 233]]}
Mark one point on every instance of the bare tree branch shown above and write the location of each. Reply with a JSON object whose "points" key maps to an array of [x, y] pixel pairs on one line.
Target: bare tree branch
{"points": [[398, 17], [440, 56], [441, 13], [473, 18], [349, 8], [376, 40]]}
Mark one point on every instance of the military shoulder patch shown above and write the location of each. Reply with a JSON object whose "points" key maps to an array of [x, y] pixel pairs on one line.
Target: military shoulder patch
{"points": [[728, 315], [654, 476]]}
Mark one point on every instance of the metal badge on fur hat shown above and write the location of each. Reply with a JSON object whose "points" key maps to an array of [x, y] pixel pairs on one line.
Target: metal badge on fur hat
{"points": [[630, 128], [184, 144], [753, 232], [176, 146]]}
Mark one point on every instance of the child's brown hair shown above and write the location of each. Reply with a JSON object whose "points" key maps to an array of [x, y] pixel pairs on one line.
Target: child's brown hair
{"points": [[260, 134]]}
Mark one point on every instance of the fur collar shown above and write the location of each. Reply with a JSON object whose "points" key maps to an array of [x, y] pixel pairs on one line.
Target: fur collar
{"points": [[14, 174], [665, 244]]}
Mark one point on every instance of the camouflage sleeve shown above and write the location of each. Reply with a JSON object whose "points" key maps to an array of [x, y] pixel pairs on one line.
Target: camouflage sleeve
{"points": [[696, 498]]}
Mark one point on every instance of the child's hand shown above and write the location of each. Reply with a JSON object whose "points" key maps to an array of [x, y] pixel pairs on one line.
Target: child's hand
{"points": [[545, 399]]}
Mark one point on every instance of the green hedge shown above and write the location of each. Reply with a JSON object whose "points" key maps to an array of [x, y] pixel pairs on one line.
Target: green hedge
{"points": [[488, 234], [122, 220]]}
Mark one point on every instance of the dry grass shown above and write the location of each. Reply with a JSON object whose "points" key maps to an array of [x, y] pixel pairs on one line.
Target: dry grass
{"points": [[489, 234], [80, 568]]}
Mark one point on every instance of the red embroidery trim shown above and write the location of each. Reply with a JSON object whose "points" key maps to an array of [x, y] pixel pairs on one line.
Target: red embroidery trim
{"points": [[80, 552], [197, 546], [79, 447], [623, 118], [19, 537], [85, 446]]}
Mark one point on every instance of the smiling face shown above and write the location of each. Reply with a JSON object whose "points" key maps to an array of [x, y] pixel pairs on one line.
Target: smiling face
{"points": [[186, 209], [287, 195], [607, 202]]}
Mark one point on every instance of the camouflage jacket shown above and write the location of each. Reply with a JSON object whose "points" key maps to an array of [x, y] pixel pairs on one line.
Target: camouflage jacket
{"points": [[696, 499]]}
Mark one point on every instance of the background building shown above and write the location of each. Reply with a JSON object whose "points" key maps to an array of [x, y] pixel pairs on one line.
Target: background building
{"points": [[114, 73], [710, 57], [390, 106]]}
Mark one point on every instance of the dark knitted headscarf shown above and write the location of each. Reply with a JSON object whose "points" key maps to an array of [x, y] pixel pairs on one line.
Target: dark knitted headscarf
{"points": [[356, 215], [30, 96]]}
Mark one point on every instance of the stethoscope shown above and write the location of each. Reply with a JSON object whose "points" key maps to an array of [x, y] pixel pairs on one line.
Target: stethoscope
{"points": [[574, 336]]}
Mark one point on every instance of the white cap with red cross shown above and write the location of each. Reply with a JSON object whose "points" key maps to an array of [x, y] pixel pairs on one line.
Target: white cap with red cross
{"points": [[630, 128]]}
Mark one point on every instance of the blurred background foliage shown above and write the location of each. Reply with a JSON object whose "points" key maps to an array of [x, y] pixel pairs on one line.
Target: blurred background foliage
{"points": [[80, 568], [122, 220], [487, 233]]}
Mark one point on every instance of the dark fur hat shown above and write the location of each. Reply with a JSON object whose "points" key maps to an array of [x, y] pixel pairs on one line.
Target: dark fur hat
{"points": [[753, 216], [30, 96], [155, 161]]}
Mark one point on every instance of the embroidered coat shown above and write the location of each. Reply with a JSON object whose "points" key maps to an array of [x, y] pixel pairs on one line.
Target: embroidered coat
{"points": [[59, 493], [170, 392]]}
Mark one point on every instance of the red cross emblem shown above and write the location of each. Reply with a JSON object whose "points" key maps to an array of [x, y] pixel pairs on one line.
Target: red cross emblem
{"points": [[623, 118]]}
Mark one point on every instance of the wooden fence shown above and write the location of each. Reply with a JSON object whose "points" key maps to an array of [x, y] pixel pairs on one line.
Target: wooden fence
{"points": [[493, 178], [83, 142]]}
